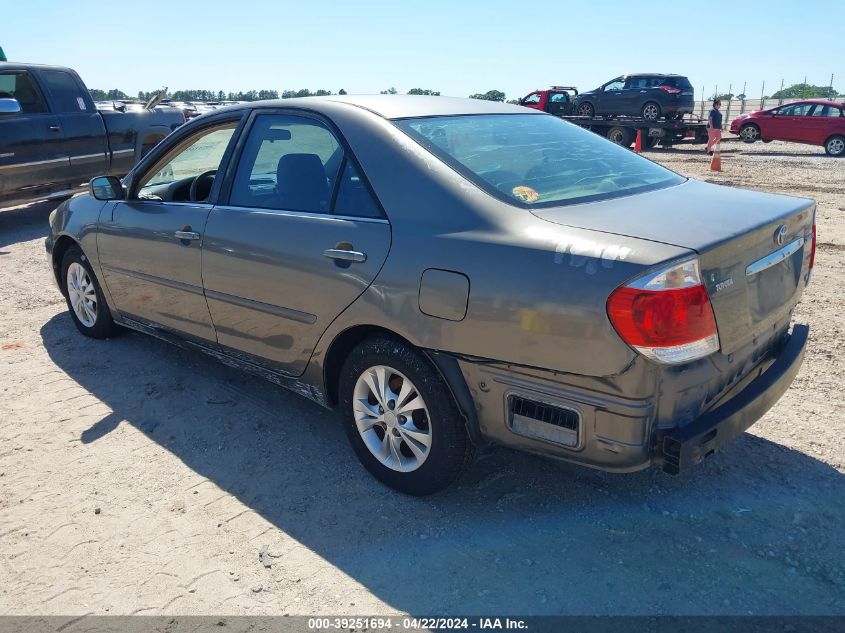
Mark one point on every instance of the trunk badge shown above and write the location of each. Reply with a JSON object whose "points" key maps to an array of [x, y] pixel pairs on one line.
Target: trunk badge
{"points": [[780, 235]]}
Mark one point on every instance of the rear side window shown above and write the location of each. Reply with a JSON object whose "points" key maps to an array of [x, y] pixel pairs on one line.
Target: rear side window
{"points": [[66, 93], [20, 86], [353, 197], [536, 160], [827, 111], [296, 163]]}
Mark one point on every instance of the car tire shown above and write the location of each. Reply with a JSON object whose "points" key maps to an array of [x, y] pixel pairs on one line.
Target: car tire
{"points": [[621, 136], [401, 419], [835, 146], [586, 109], [84, 296], [650, 111], [749, 133]]}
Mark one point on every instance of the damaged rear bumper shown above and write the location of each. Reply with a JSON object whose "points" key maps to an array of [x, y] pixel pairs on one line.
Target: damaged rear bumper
{"points": [[690, 444]]}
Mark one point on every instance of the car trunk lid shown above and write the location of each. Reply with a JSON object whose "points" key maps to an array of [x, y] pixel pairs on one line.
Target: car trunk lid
{"points": [[754, 248]]}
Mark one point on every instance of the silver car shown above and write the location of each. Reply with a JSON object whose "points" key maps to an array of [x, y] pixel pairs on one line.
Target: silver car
{"points": [[450, 273]]}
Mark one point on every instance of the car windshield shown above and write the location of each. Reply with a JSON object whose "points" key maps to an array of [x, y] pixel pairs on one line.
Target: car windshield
{"points": [[536, 160]]}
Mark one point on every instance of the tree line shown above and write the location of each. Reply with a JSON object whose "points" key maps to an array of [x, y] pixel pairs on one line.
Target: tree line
{"points": [[257, 95], [795, 91]]}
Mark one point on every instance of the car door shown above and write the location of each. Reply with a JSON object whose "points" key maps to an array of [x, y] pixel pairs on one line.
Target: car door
{"points": [[634, 94], [819, 123], [788, 122], [150, 243], [300, 238], [82, 126], [610, 97], [32, 148]]}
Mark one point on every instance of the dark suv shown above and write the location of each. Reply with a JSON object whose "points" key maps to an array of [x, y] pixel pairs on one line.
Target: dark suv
{"points": [[646, 95]]}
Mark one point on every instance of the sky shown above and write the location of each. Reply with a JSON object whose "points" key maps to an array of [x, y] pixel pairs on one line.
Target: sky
{"points": [[456, 47]]}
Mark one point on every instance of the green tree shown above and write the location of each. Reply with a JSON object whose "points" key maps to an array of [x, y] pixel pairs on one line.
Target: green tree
{"points": [[390, 91], [97, 94], [726, 96], [805, 91], [421, 91], [490, 95], [341, 91]]}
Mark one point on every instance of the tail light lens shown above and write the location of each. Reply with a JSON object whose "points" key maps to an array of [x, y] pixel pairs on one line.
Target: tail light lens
{"points": [[670, 89], [666, 315]]}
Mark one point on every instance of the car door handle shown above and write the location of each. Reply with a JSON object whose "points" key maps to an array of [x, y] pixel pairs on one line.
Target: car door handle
{"points": [[187, 235], [356, 257], [55, 128]]}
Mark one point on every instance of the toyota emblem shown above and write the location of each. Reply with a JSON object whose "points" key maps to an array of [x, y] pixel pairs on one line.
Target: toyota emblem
{"points": [[780, 235]]}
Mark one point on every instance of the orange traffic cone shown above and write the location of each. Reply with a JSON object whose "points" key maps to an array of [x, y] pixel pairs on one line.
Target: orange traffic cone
{"points": [[716, 161], [638, 144]]}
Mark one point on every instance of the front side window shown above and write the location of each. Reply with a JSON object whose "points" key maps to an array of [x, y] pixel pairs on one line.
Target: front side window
{"points": [[20, 86], [66, 93], [796, 109], [171, 177], [533, 160], [534, 97], [616, 84]]}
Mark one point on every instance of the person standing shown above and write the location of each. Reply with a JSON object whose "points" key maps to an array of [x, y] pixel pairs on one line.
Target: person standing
{"points": [[714, 126]]}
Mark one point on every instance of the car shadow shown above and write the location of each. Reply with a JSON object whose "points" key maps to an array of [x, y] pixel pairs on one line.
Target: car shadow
{"points": [[25, 223], [517, 534]]}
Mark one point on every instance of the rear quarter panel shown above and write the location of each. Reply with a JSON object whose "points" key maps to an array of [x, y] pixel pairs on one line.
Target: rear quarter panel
{"points": [[537, 291]]}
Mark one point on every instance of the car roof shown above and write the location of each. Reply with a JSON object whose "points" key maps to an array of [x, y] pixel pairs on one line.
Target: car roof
{"points": [[653, 75], [820, 101], [401, 106]]}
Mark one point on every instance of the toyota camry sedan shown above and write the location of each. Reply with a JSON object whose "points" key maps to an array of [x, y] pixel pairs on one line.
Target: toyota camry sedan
{"points": [[449, 273]]}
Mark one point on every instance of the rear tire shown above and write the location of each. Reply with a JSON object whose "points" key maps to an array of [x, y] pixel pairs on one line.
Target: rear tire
{"points": [[749, 133], [586, 109], [401, 418], [621, 136], [650, 111], [835, 146], [84, 297]]}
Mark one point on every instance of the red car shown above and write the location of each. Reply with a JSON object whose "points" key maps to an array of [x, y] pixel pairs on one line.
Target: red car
{"points": [[814, 121]]}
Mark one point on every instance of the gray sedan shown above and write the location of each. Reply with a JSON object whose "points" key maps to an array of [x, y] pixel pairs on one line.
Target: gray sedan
{"points": [[450, 273]]}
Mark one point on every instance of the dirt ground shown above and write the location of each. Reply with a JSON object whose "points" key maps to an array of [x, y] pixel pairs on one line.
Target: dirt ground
{"points": [[140, 478]]}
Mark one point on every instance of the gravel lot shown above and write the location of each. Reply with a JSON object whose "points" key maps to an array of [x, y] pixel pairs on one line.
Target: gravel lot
{"points": [[140, 478]]}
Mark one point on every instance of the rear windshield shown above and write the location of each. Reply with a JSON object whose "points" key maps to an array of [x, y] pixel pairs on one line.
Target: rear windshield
{"points": [[536, 160]]}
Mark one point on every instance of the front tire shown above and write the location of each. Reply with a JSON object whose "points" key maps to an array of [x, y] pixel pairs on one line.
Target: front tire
{"points": [[835, 146], [401, 419], [749, 133], [84, 296]]}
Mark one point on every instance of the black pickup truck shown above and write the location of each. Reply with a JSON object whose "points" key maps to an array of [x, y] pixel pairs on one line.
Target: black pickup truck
{"points": [[53, 138]]}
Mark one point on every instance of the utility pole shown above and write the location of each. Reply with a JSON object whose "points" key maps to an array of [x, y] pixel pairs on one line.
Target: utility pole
{"points": [[780, 101], [829, 90], [763, 96]]}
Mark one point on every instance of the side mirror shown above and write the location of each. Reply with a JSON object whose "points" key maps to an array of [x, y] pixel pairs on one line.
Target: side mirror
{"points": [[9, 105], [105, 188]]}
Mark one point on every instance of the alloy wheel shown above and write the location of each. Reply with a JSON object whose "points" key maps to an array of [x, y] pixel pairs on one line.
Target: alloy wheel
{"points": [[82, 294], [651, 112], [836, 146], [392, 418], [749, 133]]}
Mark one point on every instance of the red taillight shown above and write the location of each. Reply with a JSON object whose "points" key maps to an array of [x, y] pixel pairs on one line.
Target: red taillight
{"points": [[667, 315], [813, 249], [670, 89]]}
